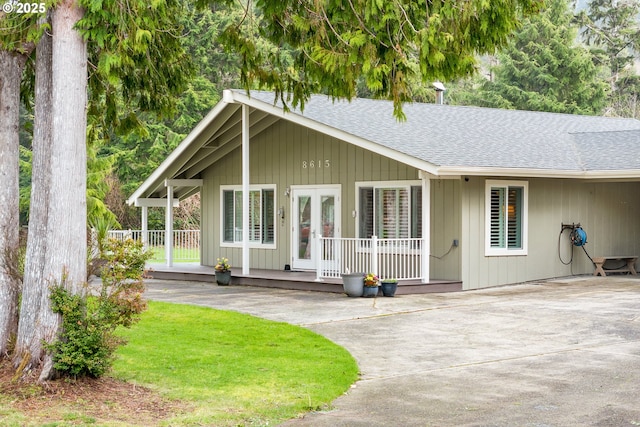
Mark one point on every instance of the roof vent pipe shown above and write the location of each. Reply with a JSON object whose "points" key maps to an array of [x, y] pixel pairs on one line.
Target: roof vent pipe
{"points": [[439, 92]]}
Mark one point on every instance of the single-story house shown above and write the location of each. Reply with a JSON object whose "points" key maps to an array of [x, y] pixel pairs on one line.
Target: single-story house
{"points": [[481, 196]]}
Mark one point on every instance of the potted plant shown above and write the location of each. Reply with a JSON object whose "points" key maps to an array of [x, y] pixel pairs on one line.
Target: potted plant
{"points": [[389, 287], [353, 284], [370, 285], [223, 271]]}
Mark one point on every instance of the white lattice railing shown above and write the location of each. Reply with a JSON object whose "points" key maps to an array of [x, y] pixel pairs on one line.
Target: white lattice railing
{"points": [[388, 258], [186, 243]]}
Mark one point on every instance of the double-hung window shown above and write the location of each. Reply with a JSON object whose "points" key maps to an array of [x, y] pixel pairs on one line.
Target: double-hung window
{"points": [[390, 211], [506, 218], [261, 216]]}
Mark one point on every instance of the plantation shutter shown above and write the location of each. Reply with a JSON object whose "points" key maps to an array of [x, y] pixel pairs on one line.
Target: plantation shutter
{"points": [[366, 212], [255, 233], [392, 213], [238, 217], [228, 217], [268, 214], [514, 224], [497, 217], [416, 212], [261, 216], [506, 217]]}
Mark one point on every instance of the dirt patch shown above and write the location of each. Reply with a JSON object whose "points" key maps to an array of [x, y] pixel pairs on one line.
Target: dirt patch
{"points": [[98, 399]]}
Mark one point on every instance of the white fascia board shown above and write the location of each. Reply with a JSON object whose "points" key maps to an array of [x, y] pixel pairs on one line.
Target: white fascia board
{"points": [[297, 118], [627, 175], [175, 154], [155, 203]]}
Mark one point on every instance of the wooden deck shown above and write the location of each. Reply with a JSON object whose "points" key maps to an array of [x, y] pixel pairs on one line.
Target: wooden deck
{"points": [[296, 280]]}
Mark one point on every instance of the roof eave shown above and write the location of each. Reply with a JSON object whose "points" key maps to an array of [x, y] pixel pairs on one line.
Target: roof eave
{"points": [[158, 175], [627, 175]]}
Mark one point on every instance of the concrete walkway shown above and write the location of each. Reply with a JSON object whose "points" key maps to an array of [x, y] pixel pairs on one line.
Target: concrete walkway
{"points": [[558, 353]]}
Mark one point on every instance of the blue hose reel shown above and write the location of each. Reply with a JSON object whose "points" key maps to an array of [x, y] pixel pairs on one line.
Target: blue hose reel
{"points": [[578, 236]]}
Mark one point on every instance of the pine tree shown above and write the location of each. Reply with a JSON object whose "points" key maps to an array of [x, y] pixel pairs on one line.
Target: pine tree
{"points": [[544, 69], [612, 31]]}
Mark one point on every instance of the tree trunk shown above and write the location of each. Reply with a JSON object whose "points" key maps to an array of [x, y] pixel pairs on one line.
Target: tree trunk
{"points": [[66, 228], [11, 66], [29, 351]]}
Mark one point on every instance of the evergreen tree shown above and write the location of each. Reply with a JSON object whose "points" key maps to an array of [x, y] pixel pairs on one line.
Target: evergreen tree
{"points": [[337, 43], [611, 29], [544, 69]]}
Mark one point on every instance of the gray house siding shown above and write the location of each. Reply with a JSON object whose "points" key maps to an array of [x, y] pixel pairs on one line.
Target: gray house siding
{"points": [[277, 158], [446, 225], [608, 212]]}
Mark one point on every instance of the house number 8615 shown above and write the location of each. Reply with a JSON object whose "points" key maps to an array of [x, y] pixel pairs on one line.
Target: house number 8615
{"points": [[312, 164]]}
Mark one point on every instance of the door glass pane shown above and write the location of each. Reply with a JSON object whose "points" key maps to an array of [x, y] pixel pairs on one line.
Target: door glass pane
{"points": [[328, 215], [328, 218], [304, 227]]}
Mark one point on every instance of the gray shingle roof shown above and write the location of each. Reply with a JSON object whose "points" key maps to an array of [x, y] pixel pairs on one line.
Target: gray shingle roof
{"points": [[456, 136]]}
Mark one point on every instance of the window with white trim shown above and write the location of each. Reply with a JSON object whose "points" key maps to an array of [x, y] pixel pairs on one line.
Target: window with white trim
{"points": [[390, 211], [261, 215], [506, 218]]}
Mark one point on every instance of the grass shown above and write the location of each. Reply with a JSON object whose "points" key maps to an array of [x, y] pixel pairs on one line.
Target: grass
{"points": [[179, 255], [233, 368]]}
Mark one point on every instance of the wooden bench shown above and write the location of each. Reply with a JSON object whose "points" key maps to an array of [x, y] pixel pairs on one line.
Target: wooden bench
{"points": [[630, 262]]}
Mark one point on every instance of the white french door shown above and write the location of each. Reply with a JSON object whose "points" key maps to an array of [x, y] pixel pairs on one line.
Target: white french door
{"points": [[315, 212]]}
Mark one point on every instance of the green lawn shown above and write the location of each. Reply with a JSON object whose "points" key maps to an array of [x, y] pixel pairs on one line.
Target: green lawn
{"points": [[179, 255], [234, 368]]}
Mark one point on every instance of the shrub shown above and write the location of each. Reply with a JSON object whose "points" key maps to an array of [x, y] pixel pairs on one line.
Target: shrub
{"points": [[87, 342]]}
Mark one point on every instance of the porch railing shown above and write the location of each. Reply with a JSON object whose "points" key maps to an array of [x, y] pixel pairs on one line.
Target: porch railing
{"points": [[399, 259], [186, 243]]}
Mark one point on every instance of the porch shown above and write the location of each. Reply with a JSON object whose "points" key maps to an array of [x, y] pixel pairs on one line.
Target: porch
{"points": [[401, 259], [281, 279]]}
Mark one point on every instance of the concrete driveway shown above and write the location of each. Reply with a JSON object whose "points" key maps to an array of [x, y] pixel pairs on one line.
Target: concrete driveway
{"points": [[556, 353]]}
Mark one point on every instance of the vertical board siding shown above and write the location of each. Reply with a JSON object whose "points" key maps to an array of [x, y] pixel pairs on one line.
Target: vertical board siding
{"points": [[277, 156], [445, 226], [608, 212]]}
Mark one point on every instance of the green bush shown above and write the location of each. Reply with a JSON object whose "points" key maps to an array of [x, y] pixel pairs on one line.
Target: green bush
{"points": [[87, 342]]}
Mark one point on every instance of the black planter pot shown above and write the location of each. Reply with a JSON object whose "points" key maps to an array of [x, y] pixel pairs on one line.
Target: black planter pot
{"points": [[389, 288], [223, 278]]}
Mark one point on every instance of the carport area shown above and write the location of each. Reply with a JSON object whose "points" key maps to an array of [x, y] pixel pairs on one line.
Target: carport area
{"points": [[563, 352]]}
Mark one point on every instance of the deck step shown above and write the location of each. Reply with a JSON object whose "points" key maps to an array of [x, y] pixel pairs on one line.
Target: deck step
{"points": [[302, 281]]}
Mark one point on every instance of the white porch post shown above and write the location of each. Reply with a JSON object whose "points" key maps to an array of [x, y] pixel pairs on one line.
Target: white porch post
{"points": [[426, 225], [319, 259], [245, 190], [168, 227], [374, 255], [145, 227]]}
